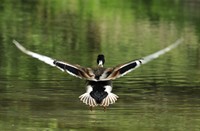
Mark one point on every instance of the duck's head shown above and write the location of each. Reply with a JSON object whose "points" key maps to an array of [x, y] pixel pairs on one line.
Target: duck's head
{"points": [[100, 60]]}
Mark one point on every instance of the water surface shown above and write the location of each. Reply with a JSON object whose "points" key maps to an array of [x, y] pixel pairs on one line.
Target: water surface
{"points": [[160, 96]]}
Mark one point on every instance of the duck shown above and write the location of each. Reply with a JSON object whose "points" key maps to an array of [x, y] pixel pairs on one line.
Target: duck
{"points": [[99, 79]]}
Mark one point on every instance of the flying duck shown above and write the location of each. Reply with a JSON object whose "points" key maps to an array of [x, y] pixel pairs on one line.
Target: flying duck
{"points": [[98, 79]]}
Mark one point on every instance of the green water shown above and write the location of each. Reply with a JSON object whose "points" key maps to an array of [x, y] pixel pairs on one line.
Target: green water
{"points": [[163, 95]]}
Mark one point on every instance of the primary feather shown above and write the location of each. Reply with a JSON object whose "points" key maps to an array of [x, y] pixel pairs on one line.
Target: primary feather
{"points": [[123, 69], [99, 79], [100, 74]]}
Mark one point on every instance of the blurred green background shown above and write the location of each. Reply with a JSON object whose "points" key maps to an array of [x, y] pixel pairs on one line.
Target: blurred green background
{"points": [[162, 95]]}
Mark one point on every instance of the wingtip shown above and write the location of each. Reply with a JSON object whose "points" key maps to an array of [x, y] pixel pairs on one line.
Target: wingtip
{"points": [[14, 41], [180, 40], [19, 46]]}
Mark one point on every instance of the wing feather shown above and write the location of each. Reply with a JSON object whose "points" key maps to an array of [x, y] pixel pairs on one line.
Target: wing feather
{"points": [[108, 74], [123, 69], [74, 70], [161, 52]]}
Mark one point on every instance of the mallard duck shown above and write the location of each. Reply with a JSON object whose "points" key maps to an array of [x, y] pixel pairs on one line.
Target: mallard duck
{"points": [[99, 79]]}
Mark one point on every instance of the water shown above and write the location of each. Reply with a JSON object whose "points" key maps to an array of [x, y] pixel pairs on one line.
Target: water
{"points": [[161, 95]]}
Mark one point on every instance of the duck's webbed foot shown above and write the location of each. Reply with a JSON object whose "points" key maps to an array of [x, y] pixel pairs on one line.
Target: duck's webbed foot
{"points": [[104, 108], [91, 108]]}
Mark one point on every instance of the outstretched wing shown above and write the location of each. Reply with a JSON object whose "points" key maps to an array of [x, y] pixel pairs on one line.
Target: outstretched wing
{"points": [[75, 70], [123, 69]]}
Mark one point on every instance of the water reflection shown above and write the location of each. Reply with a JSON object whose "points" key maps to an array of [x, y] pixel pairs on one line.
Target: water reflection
{"points": [[162, 95]]}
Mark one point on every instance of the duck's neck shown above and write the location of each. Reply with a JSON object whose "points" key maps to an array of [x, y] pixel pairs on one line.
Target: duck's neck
{"points": [[100, 64]]}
